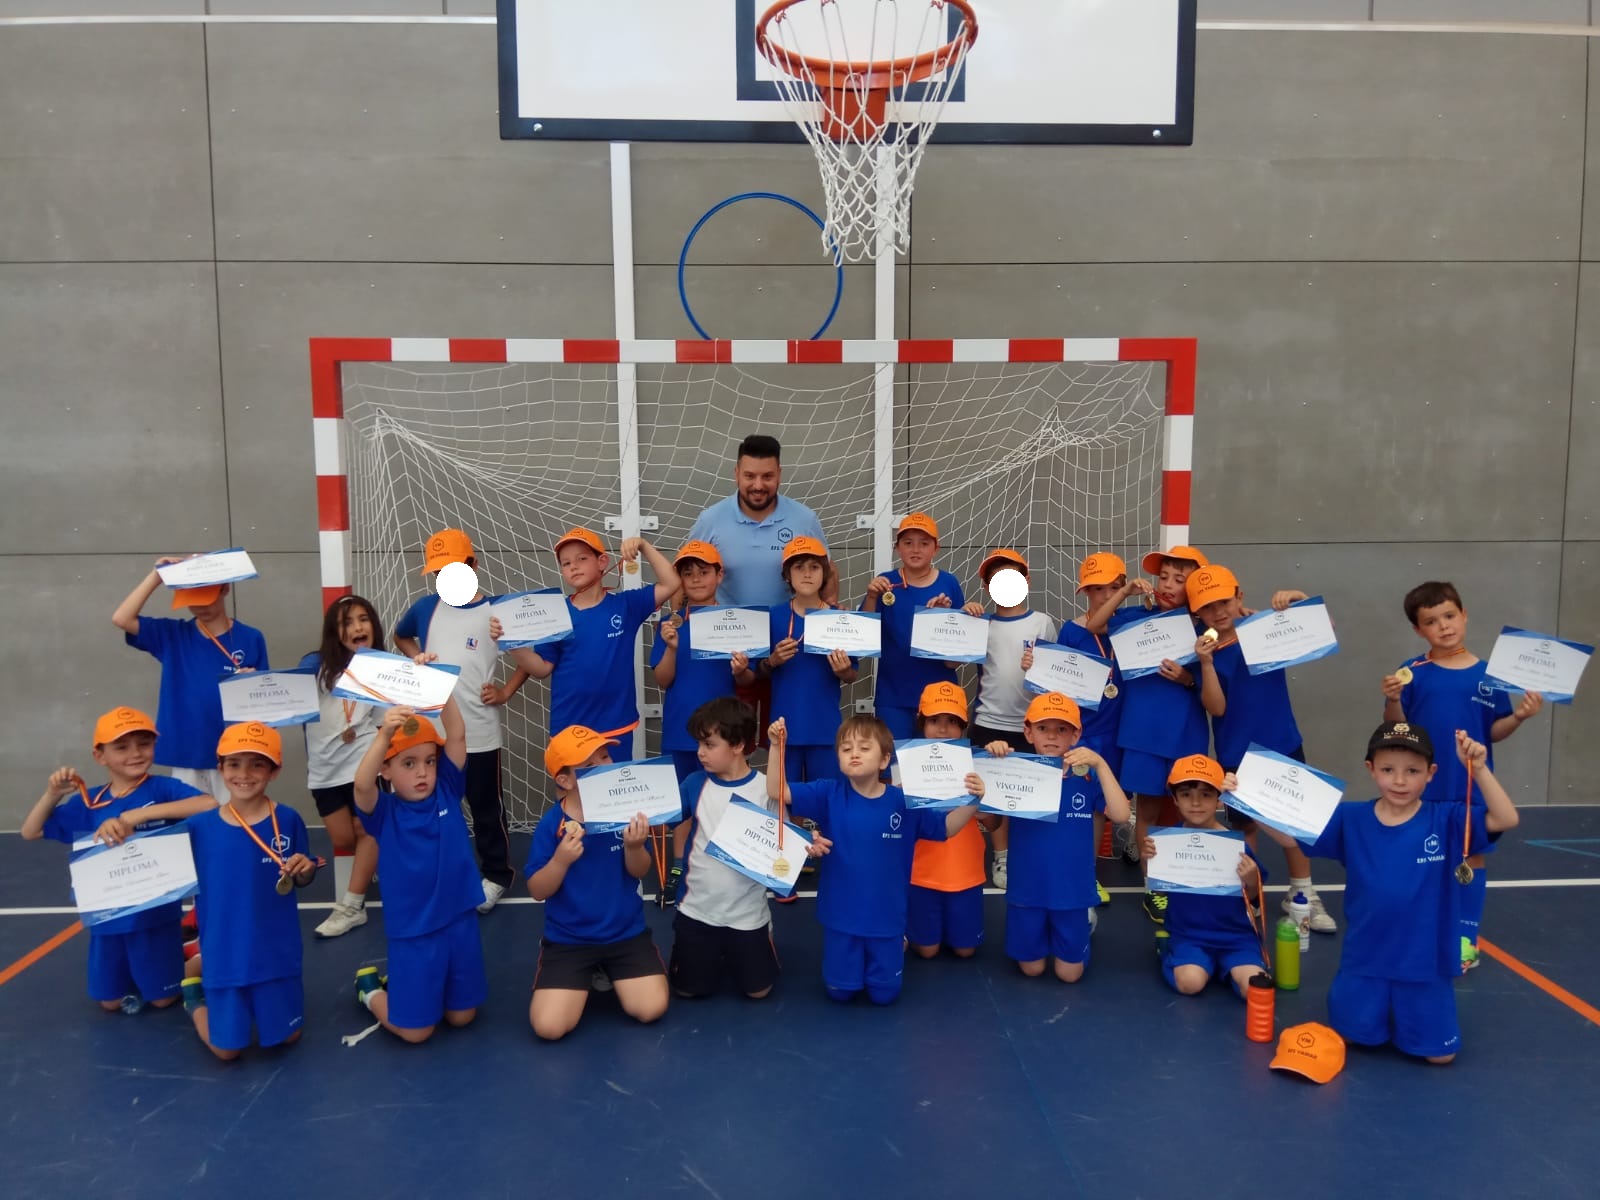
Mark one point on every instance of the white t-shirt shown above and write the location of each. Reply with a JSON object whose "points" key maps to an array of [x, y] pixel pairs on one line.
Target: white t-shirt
{"points": [[1002, 698], [713, 892], [330, 761], [460, 637]]}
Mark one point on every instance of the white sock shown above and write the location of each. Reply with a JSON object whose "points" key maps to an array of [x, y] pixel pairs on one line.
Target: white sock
{"points": [[1000, 856], [1301, 885], [366, 1000], [351, 900]]}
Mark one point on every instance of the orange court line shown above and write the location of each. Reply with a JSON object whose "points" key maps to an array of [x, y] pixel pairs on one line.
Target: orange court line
{"points": [[1587, 1011], [39, 951]]}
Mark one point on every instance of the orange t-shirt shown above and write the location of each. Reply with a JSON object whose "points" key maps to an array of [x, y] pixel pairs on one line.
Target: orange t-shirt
{"points": [[951, 866]]}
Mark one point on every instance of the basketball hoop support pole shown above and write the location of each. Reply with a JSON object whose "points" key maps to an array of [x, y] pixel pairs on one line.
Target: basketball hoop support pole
{"points": [[883, 380]]}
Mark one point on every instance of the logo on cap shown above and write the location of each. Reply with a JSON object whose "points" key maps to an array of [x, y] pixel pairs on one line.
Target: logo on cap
{"points": [[255, 730]]}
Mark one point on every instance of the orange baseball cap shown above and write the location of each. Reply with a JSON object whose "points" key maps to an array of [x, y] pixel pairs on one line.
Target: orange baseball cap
{"points": [[423, 734], [1196, 768], [1099, 569], [945, 698], [1208, 584], [804, 545], [251, 737], [197, 597], [698, 551], [1152, 561], [585, 537], [921, 522], [1053, 706], [572, 747], [1003, 556], [1312, 1050], [445, 547], [121, 721]]}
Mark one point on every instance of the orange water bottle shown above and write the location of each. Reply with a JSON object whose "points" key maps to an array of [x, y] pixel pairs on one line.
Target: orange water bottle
{"points": [[1258, 1013]]}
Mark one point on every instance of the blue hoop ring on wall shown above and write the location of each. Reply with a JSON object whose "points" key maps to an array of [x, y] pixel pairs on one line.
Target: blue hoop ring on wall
{"points": [[683, 256]]}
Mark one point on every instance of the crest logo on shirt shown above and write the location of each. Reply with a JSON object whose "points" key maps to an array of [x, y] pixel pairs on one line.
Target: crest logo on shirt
{"points": [[237, 658], [1485, 690], [1079, 800], [894, 821], [1430, 844], [472, 643], [616, 620], [280, 843], [784, 535]]}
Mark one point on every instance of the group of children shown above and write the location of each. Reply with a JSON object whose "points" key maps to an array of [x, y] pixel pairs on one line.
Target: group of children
{"points": [[391, 786]]}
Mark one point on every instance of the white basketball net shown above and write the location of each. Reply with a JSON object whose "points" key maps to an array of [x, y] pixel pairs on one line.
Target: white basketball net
{"points": [[868, 163]]}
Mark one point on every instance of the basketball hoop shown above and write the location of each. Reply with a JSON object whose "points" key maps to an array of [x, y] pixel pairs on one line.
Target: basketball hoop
{"points": [[867, 91]]}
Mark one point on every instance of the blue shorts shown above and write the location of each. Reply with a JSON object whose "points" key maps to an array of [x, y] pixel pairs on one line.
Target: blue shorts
{"points": [[902, 722], [853, 964], [952, 919], [1033, 934], [1146, 774], [277, 1009], [1418, 1017], [148, 962], [1215, 961], [436, 973]]}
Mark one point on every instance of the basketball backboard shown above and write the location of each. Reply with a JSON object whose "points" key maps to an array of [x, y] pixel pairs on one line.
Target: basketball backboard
{"points": [[1041, 71]]}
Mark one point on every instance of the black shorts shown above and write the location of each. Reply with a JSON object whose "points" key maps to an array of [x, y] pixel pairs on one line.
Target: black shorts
{"points": [[981, 735], [572, 967], [701, 952], [332, 799]]}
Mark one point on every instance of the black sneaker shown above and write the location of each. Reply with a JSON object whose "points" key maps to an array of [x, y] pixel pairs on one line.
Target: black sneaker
{"points": [[669, 889], [1155, 907]]}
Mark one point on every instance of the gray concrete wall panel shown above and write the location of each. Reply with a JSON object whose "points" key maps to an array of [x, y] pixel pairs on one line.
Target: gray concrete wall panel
{"points": [[1583, 449], [1565, 12], [752, 302], [1576, 726], [1340, 146], [119, 170], [1591, 174], [112, 428], [1285, 10]]}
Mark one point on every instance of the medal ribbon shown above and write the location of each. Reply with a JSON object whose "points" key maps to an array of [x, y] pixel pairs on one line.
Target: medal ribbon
{"points": [[101, 798], [1466, 832], [1261, 910], [272, 811], [226, 653]]}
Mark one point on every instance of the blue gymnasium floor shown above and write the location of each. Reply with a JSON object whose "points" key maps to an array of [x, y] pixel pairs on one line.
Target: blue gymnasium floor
{"points": [[978, 1083]]}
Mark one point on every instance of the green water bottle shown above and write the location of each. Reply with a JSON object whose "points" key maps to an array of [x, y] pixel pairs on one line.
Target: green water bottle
{"points": [[1287, 972]]}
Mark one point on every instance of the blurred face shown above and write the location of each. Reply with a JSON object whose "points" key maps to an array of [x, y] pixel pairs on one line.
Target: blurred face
{"points": [[1443, 625], [1221, 614], [806, 576], [718, 756], [213, 612], [567, 779], [757, 480], [128, 757], [943, 725], [1050, 737], [1400, 775], [1097, 594], [1197, 802], [412, 772], [581, 567], [247, 776], [861, 758], [916, 550], [700, 580], [1169, 583], [356, 628]]}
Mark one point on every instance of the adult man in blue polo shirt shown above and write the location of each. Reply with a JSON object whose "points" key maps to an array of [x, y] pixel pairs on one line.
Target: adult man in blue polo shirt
{"points": [[751, 527]]}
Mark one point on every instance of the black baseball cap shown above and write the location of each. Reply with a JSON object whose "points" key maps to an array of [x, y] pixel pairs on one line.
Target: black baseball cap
{"points": [[1400, 735]]}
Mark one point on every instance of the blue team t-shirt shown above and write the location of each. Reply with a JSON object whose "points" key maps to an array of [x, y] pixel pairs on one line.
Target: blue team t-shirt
{"points": [[429, 874], [901, 677], [593, 680], [1159, 716], [866, 882], [696, 681], [190, 712], [248, 933], [598, 901], [1052, 862], [1099, 724], [72, 820], [1442, 701], [1401, 898], [805, 691], [1212, 922], [1258, 709], [752, 551]]}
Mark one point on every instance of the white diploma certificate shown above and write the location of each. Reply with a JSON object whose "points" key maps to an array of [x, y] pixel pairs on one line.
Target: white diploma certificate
{"points": [[950, 635], [612, 794], [1071, 672], [532, 619], [1027, 786], [206, 570], [724, 632], [1288, 795], [1196, 860], [274, 698], [1140, 646], [1524, 661], [933, 773], [386, 680], [858, 634], [746, 839], [147, 870], [1272, 640]]}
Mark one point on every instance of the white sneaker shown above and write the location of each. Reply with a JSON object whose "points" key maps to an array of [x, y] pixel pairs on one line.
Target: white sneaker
{"points": [[492, 892], [999, 874], [341, 921], [1321, 920], [600, 981]]}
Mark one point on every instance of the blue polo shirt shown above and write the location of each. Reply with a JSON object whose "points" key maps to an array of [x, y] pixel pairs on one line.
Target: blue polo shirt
{"points": [[805, 691], [190, 712], [901, 677], [598, 901], [1099, 724], [593, 679], [696, 681], [429, 875], [1258, 708], [752, 551], [1052, 862], [1159, 717], [248, 933], [1442, 701], [1214, 922]]}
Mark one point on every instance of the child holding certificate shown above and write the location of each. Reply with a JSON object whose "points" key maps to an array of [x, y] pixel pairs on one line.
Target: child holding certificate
{"points": [[897, 595], [687, 682], [862, 902], [1444, 691], [1407, 878], [1248, 708], [1162, 720], [431, 886], [946, 902], [137, 959], [249, 857], [1205, 934], [335, 745], [1051, 901], [594, 930]]}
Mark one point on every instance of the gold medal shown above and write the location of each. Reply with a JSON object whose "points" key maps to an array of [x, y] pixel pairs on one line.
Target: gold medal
{"points": [[1111, 691], [348, 736], [887, 599], [632, 567], [411, 726], [780, 866], [1464, 872], [1080, 768], [1403, 675], [286, 885], [1210, 635]]}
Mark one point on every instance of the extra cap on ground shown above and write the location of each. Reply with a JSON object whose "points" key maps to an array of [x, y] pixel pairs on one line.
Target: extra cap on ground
{"points": [[921, 522], [197, 597], [1400, 735], [423, 734], [445, 547], [572, 747], [584, 537], [1004, 556], [120, 722], [1209, 584], [1196, 768], [698, 551], [1311, 1050], [1100, 569], [251, 737], [804, 545], [1152, 561], [945, 698], [1053, 706]]}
